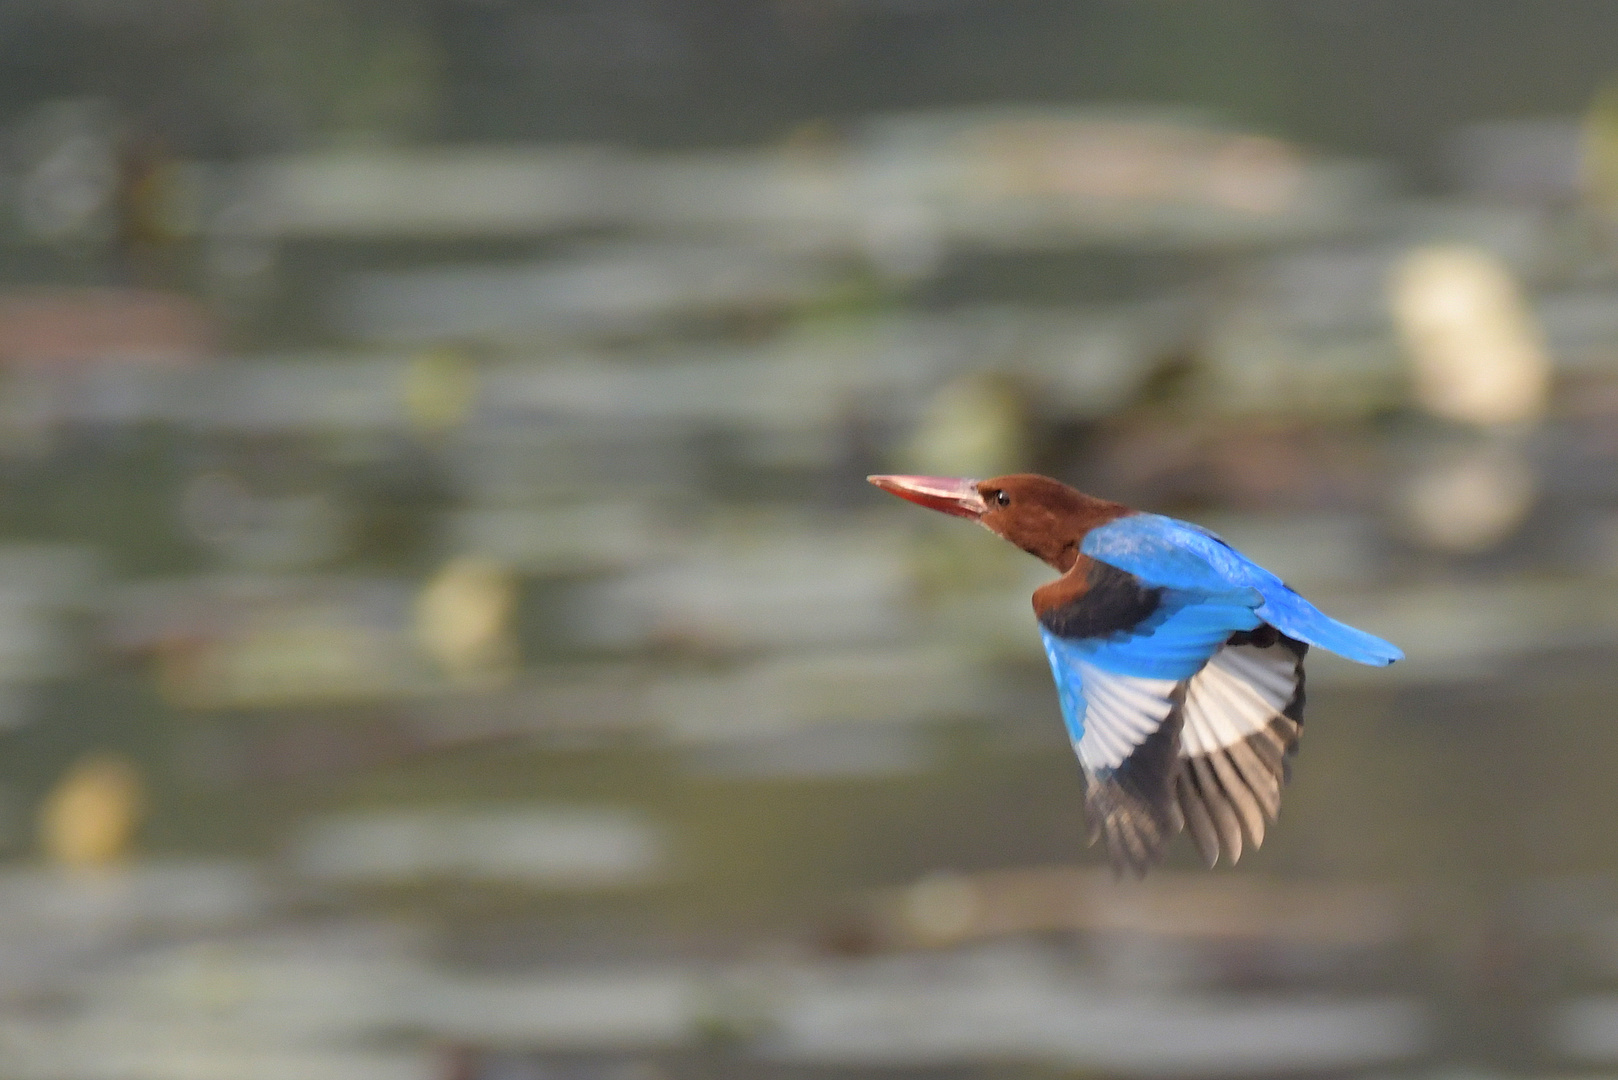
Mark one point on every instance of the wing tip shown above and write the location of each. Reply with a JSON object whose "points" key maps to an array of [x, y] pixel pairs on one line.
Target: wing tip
{"points": [[1135, 825], [1362, 648], [1383, 655]]}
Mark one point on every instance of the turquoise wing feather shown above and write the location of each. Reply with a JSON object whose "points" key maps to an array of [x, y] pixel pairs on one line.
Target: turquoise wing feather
{"points": [[1177, 555]]}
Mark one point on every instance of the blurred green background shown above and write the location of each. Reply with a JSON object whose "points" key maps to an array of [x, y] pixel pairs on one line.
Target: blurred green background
{"points": [[445, 632]]}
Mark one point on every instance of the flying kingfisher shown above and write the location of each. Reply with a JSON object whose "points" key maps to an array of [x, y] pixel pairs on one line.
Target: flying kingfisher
{"points": [[1178, 661]]}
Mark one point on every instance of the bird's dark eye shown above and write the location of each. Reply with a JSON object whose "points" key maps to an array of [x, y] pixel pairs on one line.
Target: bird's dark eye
{"points": [[1002, 498]]}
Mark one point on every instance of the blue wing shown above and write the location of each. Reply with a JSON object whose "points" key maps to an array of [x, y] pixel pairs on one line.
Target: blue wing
{"points": [[1122, 697], [1180, 556], [1153, 658]]}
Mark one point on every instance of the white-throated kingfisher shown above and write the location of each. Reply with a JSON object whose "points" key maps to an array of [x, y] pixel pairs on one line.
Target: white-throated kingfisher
{"points": [[1178, 661]]}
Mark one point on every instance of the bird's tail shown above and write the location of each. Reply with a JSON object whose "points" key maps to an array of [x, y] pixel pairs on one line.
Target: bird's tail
{"points": [[1298, 618]]}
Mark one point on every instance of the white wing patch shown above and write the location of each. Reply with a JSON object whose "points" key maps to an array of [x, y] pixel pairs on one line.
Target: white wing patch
{"points": [[1208, 753], [1238, 692], [1241, 721], [1121, 712]]}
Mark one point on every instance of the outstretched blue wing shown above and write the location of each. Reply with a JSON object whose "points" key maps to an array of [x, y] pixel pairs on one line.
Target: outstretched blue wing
{"points": [[1177, 555], [1122, 694]]}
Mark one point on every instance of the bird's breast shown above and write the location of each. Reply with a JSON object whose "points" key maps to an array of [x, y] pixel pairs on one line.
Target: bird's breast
{"points": [[1095, 600]]}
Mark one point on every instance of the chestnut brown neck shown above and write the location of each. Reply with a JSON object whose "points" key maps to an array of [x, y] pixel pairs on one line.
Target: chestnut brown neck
{"points": [[1058, 545], [1074, 583], [1045, 518]]}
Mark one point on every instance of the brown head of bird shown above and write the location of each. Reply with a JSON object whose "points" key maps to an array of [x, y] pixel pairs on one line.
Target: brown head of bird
{"points": [[1044, 517]]}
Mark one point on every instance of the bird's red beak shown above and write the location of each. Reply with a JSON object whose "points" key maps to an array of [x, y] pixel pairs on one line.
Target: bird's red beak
{"points": [[951, 496]]}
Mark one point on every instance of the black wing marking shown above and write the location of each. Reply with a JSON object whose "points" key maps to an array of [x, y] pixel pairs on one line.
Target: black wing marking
{"points": [[1113, 601]]}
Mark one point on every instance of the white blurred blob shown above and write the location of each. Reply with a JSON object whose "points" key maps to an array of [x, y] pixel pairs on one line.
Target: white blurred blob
{"points": [[973, 426], [1478, 356], [463, 621], [71, 170], [1467, 501]]}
